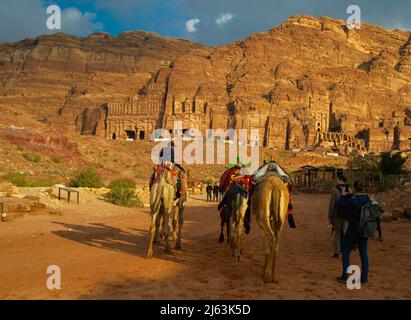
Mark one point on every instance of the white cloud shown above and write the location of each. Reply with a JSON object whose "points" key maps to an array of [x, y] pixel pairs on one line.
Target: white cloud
{"points": [[191, 25], [76, 22], [27, 18], [224, 18]]}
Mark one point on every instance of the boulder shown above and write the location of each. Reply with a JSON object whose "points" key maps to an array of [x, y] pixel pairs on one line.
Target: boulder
{"points": [[31, 197], [397, 213], [387, 217]]}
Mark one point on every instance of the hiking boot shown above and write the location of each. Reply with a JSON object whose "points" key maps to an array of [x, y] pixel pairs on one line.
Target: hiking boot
{"points": [[336, 255]]}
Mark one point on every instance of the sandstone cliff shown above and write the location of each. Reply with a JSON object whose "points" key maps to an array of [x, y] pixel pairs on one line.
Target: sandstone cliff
{"points": [[307, 82]]}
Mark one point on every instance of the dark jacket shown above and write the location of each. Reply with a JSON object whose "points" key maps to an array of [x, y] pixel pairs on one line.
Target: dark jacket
{"points": [[353, 211], [335, 196]]}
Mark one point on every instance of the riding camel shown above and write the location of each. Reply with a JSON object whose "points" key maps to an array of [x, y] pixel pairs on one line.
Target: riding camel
{"points": [[269, 204], [233, 206], [162, 201]]}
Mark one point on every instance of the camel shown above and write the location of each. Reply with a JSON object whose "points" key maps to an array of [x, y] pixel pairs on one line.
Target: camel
{"points": [[269, 203], [162, 194], [178, 216], [232, 216], [238, 208]]}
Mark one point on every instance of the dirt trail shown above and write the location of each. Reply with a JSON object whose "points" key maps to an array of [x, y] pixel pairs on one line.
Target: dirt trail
{"points": [[101, 251]]}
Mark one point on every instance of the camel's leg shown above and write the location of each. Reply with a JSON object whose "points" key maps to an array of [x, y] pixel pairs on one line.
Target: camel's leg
{"points": [[180, 224], [175, 217], [239, 230], [166, 230], [232, 233], [157, 239], [152, 234], [168, 196], [276, 246], [227, 222], [264, 226], [221, 239], [283, 212], [268, 248]]}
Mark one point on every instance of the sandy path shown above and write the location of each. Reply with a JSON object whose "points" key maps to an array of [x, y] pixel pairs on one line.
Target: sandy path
{"points": [[101, 252]]}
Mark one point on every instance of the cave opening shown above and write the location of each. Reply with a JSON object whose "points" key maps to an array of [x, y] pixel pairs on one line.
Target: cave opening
{"points": [[131, 135], [142, 135]]}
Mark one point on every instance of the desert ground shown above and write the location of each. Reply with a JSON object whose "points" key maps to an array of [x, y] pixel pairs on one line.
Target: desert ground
{"points": [[101, 250]]}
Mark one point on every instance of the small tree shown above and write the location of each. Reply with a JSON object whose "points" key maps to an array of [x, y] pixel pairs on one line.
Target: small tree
{"points": [[88, 178], [367, 163], [392, 163]]}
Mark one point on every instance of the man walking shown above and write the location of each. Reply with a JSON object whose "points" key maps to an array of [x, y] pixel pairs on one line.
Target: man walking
{"points": [[378, 211], [209, 190], [337, 222], [216, 191], [353, 236]]}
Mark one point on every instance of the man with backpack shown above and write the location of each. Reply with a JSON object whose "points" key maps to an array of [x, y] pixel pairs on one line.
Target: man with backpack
{"points": [[334, 219], [361, 226]]}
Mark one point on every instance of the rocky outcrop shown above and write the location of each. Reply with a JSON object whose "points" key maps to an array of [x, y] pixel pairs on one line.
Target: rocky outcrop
{"points": [[298, 83], [47, 143]]}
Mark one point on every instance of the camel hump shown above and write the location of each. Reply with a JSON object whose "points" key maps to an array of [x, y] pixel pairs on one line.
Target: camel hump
{"points": [[276, 182]]}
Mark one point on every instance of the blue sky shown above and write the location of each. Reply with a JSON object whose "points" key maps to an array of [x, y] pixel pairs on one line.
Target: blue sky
{"points": [[212, 22]]}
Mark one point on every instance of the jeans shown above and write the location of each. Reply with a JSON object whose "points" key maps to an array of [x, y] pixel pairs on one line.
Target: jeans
{"points": [[340, 227], [349, 240]]}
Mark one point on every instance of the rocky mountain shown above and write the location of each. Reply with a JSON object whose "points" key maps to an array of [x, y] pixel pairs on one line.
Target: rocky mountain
{"points": [[308, 82]]}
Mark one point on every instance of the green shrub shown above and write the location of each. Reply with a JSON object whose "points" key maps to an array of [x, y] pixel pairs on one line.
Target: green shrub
{"points": [[122, 183], [16, 178], [123, 193], [31, 156], [88, 178], [140, 176], [20, 180]]}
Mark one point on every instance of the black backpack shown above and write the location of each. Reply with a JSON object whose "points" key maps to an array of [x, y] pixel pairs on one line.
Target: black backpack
{"points": [[368, 221]]}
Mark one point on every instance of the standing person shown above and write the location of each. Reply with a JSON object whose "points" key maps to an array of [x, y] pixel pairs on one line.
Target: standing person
{"points": [[216, 191], [378, 211], [209, 190], [337, 222], [353, 236]]}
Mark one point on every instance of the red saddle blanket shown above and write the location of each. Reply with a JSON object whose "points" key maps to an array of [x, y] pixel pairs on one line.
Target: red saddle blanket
{"points": [[161, 168], [234, 175]]}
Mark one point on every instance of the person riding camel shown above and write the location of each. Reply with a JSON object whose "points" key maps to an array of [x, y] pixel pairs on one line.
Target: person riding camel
{"points": [[167, 162]]}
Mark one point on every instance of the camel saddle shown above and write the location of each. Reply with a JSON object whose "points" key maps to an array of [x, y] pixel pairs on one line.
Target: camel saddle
{"points": [[177, 172]]}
